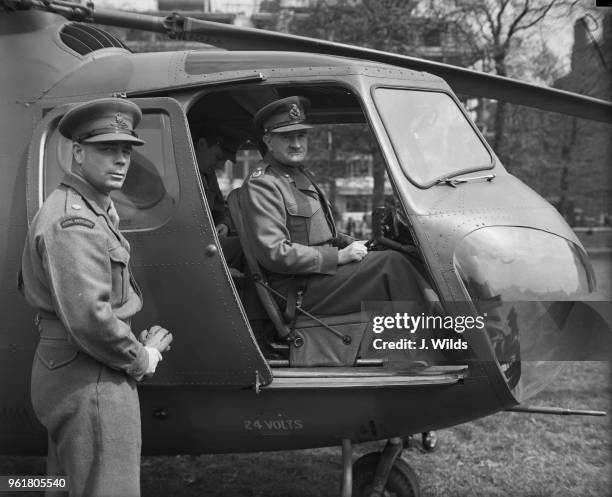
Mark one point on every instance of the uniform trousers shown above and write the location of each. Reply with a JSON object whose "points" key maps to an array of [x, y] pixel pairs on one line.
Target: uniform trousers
{"points": [[92, 415], [385, 275]]}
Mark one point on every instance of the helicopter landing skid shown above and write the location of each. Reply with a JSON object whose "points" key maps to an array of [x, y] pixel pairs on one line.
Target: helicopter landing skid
{"points": [[376, 472]]}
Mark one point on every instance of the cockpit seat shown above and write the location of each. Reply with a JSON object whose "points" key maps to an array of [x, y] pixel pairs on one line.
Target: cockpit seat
{"points": [[313, 340]]}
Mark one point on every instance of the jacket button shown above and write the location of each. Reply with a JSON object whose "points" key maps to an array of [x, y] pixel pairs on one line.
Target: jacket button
{"points": [[51, 362]]}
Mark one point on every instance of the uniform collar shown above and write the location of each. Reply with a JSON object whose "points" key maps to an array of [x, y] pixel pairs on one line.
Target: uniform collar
{"points": [[293, 173], [98, 201]]}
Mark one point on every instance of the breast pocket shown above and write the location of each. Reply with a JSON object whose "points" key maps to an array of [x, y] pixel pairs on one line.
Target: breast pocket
{"points": [[119, 258], [299, 219]]}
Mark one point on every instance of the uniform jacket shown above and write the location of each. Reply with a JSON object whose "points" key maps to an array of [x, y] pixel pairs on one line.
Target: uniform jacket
{"points": [[75, 266], [215, 199], [286, 221]]}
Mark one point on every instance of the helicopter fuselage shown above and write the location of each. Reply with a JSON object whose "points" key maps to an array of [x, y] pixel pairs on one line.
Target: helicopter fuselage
{"points": [[216, 392]]}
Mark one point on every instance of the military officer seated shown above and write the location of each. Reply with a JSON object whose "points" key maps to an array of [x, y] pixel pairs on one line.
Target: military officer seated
{"points": [[292, 231]]}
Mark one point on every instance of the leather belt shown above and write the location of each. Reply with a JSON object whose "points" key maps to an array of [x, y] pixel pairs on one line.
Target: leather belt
{"points": [[50, 326]]}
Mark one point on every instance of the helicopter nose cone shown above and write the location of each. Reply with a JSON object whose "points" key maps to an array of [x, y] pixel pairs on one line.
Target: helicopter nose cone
{"points": [[534, 292]]}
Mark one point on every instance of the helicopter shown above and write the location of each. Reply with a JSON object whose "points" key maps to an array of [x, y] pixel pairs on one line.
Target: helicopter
{"points": [[485, 243]]}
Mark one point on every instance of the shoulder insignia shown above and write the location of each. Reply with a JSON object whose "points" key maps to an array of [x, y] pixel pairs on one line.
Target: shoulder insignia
{"points": [[77, 221], [257, 173]]}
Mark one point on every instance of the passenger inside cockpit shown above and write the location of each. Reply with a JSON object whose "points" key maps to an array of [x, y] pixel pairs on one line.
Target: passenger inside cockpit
{"points": [[292, 233], [290, 223], [322, 315], [214, 146]]}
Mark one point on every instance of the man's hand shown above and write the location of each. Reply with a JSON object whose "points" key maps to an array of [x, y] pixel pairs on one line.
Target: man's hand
{"points": [[235, 273], [222, 230], [354, 252], [157, 337]]}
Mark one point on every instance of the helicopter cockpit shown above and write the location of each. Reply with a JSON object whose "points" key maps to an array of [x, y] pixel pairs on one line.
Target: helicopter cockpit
{"points": [[435, 144], [346, 159]]}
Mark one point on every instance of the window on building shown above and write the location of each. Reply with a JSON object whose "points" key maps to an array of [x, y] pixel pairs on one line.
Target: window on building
{"points": [[358, 203]]}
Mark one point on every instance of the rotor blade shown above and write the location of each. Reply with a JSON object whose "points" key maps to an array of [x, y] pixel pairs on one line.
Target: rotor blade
{"points": [[130, 20], [556, 410], [462, 80], [465, 81]]}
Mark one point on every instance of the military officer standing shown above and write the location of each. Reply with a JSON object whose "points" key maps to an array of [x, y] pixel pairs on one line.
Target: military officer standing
{"points": [[290, 226], [75, 273]]}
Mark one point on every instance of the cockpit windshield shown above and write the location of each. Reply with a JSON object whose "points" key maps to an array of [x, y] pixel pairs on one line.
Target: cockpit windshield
{"points": [[431, 136], [533, 289]]}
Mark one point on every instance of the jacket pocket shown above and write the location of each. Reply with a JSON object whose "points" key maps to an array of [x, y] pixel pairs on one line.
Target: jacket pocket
{"points": [[119, 258], [55, 353], [299, 216]]}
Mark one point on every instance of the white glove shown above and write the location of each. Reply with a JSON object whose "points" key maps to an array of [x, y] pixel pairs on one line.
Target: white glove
{"points": [[154, 357]]}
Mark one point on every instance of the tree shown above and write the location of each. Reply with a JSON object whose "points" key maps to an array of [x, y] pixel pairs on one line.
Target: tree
{"points": [[563, 157], [532, 136], [495, 29], [330, 147], [379, 24]]}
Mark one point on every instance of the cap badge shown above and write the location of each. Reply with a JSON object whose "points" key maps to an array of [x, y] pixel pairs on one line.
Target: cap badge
{"points": [[119, 122], [294, 112]]}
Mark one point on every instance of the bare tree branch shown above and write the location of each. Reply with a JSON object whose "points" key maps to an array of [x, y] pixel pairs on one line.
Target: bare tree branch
{"points": [[500, 13], [535, 21], [517, 20]]}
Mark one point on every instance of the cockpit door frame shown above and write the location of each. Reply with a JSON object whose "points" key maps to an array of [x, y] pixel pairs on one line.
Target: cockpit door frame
{"points": [[433, 245], [185, 284]]}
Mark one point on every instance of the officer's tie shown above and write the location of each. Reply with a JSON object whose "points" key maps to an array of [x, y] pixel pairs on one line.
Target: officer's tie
{"points": [[112, 214], [323, 200]]}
